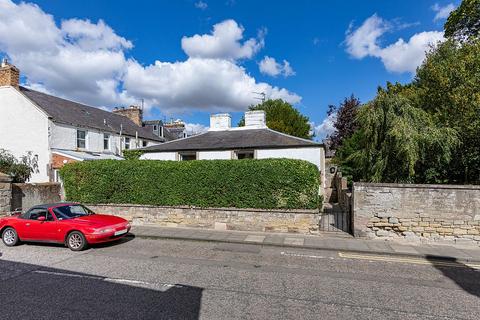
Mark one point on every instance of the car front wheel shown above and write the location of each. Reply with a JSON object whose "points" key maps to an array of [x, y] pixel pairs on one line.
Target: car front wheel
{"points": [[76, 241], [10, 237]]}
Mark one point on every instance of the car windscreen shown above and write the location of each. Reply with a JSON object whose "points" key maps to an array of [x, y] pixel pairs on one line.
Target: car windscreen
{"points": [[71, 211]]}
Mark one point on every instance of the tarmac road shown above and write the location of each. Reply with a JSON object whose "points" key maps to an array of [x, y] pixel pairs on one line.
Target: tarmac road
{"points": [[170, 279]]}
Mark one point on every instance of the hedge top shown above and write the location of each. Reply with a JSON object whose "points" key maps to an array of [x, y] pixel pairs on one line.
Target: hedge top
{"points": [[263, 184]]}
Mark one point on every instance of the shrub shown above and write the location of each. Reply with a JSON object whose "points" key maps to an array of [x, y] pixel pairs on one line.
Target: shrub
{"points": [[20, 170], [267, 184], [132, 154]]}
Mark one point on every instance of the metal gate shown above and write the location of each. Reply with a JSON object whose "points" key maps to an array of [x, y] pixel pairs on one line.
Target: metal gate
{"points": [[335, 219]]}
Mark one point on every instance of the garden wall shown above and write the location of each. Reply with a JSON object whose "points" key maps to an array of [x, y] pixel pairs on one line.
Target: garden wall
{"points": [[414, 211], [299, 221], [26, 195]]}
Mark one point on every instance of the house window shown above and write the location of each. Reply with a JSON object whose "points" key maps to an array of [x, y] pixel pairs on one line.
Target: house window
{"points": [[81, 139], [127, 143], [187, 156], [144, 143], [245, 154], [154, 127], [106, 141]]}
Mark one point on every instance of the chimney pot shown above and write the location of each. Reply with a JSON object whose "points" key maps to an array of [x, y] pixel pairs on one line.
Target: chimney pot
{"points": [[133, 113]]}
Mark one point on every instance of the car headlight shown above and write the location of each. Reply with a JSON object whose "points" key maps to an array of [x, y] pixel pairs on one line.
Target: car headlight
{"points": [[106, 230]]}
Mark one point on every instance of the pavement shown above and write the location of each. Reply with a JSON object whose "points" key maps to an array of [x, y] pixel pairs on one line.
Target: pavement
{"points": [[333, 241], [138, 278]]}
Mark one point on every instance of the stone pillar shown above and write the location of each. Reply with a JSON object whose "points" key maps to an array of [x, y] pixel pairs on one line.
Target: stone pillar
{"points": [[5, 193]]}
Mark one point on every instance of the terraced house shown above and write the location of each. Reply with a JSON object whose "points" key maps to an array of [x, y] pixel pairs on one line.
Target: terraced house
{"points": [[58, 131]]}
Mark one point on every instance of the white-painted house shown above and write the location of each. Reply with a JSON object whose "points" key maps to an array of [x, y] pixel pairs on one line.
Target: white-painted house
{"points": [[58, 131], [254, 140]]}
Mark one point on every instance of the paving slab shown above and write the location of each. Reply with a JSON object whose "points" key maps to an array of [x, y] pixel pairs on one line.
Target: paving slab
{"points": [[323, 241], [254, 238]]}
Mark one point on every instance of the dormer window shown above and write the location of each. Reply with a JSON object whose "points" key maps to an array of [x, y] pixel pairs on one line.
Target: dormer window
{"points": [[81, 139]]}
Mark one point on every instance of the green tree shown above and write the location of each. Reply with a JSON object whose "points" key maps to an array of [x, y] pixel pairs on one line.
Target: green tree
{"points": [[448, 86], [283, 117], [395, 140], [463, 24], [20, 170]]}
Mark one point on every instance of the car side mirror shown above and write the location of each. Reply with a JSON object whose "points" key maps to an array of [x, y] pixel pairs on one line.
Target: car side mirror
{"points": [[41, 218]]}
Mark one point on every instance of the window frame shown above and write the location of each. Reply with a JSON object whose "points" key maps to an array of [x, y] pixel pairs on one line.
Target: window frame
{"points": [[243, 152], [106, 139], [84, 139], [126, 144], [188, 154]]}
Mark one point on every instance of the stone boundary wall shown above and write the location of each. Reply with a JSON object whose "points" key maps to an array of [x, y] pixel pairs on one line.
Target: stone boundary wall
{"points": [[297, 221], [417, 212], [5, 193], [26, 195]]}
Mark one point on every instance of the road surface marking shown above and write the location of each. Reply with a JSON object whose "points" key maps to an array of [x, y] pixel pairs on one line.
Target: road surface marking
{"points": [[299, 255], [163, 286], [409, 260]]}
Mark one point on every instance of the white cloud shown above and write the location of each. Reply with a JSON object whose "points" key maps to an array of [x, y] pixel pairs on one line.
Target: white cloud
{"points": [[201, 84], [195, 128], [270, 66], [201, 5], [86, 62], [223, 43], [401, 56], [363, 41], [404, 56], [325, 128], [442, 12]]}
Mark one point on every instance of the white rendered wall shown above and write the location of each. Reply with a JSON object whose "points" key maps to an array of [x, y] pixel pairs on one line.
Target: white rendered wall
{"points": [[23, 128], [312, 155], [65, 137], [159, 156], [215, 155]]}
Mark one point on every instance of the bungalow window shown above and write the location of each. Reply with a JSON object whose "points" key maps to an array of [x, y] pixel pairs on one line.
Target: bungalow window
{"points": [[127, 143], [81, 139], [245, 154], [187, 156], [144, 143], [106, 141]]}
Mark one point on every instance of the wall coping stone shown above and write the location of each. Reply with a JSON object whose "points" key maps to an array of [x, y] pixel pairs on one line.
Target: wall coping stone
{"points": [[418, 186], [298, 211], [5, 177]]}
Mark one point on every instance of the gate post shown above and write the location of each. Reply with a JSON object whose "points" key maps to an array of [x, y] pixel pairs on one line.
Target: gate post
{"points": [[5, 193]]}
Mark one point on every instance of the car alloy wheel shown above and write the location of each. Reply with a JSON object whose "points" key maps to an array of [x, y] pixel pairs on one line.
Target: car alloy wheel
{"points": [[10, 237], [76, 241]]}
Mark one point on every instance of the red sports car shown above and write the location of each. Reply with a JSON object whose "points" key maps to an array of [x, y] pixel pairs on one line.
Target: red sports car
{"points": [[72, 224]]}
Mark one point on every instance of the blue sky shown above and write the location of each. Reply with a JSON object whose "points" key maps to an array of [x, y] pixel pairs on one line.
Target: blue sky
{"points": [[314, 53]]}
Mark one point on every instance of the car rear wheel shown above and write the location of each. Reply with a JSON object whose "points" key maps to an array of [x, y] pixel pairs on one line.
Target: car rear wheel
{"points": [[10, 237], [76, 241]]}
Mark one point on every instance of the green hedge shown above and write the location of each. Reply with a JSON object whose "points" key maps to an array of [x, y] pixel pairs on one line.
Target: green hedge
{"points": [[267, 184]]}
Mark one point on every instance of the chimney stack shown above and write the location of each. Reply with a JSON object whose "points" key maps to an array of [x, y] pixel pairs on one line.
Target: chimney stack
{"points": [[255, 119], [220, 121], [133, 113], [9, 74]]}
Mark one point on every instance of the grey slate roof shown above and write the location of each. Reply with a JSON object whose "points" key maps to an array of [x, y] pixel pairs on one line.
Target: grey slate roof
{"points": [[234, 139], [80, 115]]}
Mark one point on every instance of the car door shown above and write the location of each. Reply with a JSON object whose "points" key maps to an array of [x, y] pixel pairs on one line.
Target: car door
{"points": [[40, 230]]}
